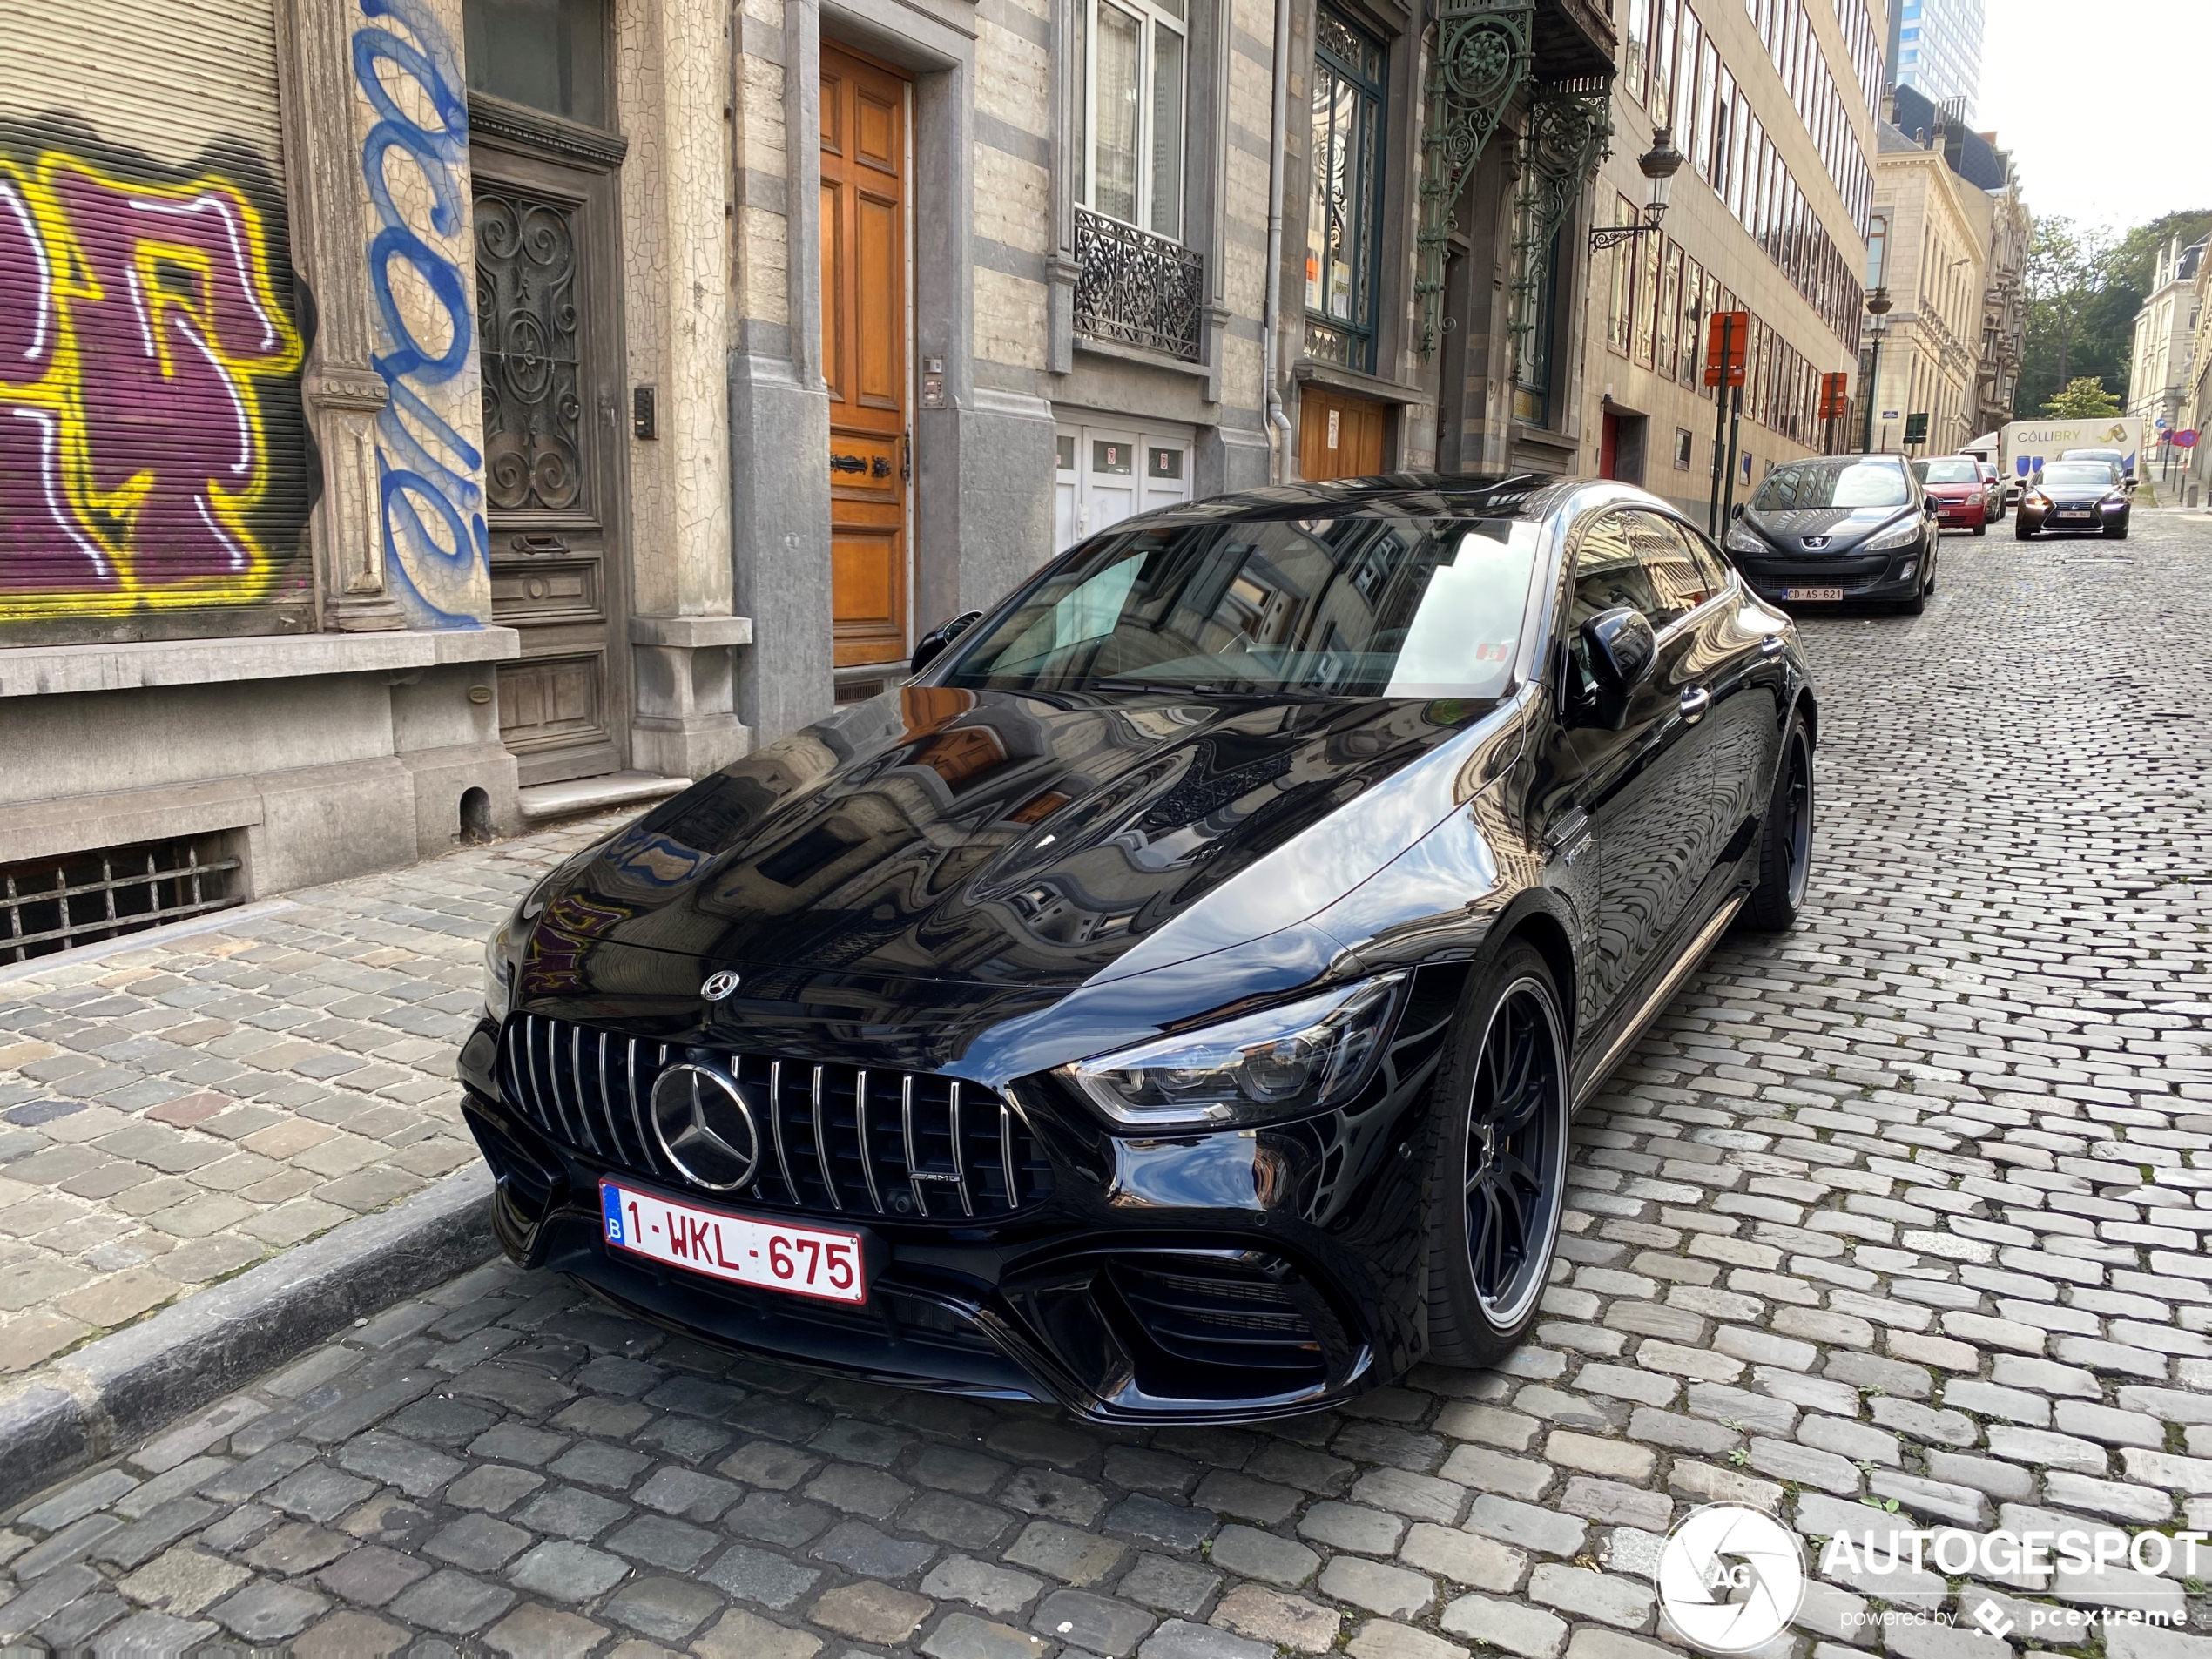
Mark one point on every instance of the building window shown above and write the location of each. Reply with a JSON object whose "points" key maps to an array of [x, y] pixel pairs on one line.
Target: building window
{"points": [[1683, 441], [1129, 140], [550, 55], [1345, 217]]}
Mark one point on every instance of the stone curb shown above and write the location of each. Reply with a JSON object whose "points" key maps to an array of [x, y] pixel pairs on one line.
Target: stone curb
{"points": [[114, 1391]]}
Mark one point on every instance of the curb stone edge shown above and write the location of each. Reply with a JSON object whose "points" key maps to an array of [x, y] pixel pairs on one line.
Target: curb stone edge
{"points": [[120, 1389]]}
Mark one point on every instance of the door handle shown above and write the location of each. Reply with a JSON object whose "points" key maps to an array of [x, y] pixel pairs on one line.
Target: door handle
{"points": [[1695, 702], [1771, 645], [539, 544], [848, 463]]}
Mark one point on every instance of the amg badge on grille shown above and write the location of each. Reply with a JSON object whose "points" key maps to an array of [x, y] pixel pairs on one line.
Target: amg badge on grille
{"points": [[716, 987], [705, 1125]]}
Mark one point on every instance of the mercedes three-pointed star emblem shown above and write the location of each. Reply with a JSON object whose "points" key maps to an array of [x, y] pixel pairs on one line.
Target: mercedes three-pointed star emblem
{"points": [[705, 1125], [716, 986]]}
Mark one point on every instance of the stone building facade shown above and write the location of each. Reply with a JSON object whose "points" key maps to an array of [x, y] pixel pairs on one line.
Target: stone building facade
{"points": [[1772, 108], [529, 404], [1933, 264]]}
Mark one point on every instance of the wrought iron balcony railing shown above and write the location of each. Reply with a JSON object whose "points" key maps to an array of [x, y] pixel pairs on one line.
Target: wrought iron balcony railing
{"points": [[1137, 288]]}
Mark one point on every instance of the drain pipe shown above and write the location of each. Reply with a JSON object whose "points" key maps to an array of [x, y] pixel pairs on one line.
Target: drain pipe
{"points": [[1278, 424]]}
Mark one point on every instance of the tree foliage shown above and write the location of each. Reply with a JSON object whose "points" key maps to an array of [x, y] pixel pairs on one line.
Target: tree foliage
{"points": [[2082, 399], [2084, 288]]}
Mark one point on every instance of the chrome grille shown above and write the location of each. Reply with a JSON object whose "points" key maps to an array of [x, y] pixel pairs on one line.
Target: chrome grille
{"points": [[849, 1140]]}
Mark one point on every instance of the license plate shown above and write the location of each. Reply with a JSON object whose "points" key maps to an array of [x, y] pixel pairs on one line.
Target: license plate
{"points": [[820, 1262], [2073, 515], [1812, 593]]}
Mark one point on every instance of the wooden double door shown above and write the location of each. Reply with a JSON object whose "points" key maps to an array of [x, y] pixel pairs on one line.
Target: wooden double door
{"points": [[865, 191], [1339, 435]]}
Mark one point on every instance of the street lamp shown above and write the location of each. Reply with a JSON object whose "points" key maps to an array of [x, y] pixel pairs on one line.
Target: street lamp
{"points": [[1659, 164], [1877, 324]]}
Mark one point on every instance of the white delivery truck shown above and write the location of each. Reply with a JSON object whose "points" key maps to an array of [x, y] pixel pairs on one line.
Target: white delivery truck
{"points": [[2028, 444]]}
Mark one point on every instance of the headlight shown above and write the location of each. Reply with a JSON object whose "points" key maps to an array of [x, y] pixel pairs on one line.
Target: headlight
{"points": [[2037, 498], [499, 974], [1900, 534], [1282, 1063], [1742, 538]]}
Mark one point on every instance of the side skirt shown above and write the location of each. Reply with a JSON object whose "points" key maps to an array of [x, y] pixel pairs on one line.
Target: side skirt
{"points": [[1685, 964]]}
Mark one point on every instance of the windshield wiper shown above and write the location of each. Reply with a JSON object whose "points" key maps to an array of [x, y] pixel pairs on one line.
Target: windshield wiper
{"points": [[1213, 687]]}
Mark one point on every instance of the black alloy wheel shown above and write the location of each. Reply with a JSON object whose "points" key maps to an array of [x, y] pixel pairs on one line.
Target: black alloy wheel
{"points": [[1786, 839], [1499, 1174]]}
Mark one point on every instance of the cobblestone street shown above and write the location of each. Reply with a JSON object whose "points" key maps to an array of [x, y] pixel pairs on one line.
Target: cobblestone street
{"points": [[1906, 1209]]}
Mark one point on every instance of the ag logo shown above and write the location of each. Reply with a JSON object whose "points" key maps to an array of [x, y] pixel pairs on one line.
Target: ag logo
{"points": [[705, 1125], [1731, 1578], [716, 986]]}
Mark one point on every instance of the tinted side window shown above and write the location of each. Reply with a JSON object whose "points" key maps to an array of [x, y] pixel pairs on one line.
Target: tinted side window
{"points": [[1711, 563], [1608, 572], [1677, 584]]}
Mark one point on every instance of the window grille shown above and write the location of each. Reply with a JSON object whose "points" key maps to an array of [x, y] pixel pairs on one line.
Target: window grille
{"points": [[52, 904]]}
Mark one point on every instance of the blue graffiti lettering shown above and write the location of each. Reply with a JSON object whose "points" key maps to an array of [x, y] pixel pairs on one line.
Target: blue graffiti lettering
{"points": [[437, 552]]}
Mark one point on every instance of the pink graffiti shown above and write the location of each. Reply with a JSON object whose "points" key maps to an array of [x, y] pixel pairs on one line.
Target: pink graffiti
{"points": [[135, 319]]}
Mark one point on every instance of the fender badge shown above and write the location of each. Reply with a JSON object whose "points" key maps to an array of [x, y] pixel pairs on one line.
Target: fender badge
{"points": [[716, 986]]}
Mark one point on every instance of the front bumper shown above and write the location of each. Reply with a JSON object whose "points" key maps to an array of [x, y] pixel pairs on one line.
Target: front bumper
{"points": [[1209, 1277], [2062, 520], [1965, 514], [1895, 575]]}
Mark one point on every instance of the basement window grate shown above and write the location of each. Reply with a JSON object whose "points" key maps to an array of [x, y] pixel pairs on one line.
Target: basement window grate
{"points": [[48, 905]]}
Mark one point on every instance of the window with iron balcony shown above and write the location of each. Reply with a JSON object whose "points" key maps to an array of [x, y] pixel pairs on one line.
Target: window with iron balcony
{"points": [[1137, 283]]}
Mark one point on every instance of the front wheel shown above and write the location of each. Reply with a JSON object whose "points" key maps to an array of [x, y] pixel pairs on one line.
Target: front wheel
{"points": [[1785, 838], [2118, 535], [1982, 529], [1497, 1162], [2021, 533]]}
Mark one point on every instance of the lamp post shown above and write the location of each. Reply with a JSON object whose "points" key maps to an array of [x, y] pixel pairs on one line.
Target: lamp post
{"points": [[1877, 324], [1658, 165]]}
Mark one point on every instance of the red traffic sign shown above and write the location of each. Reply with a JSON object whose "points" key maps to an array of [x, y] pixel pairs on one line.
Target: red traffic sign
{"points": [[2186, 439], [1724, 342]]}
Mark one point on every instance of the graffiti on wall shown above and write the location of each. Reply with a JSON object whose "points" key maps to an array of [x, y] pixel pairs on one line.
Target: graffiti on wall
{"points": [[415, 163], [151, 452]]}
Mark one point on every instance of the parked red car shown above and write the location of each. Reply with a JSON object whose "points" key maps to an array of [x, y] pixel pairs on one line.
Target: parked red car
{"points": [[1961, 495]]}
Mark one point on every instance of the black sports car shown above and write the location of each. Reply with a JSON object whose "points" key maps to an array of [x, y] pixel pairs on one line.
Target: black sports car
{"points": [[1170, 1002], [1839, 526], [2088, 498]]}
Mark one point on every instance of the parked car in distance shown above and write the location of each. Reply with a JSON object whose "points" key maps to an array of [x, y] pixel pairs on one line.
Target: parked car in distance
{"points": [[2088, 498], [1839, 527], [2001, 497], [2118, 457], [1960, 493], [1171, 1002]]}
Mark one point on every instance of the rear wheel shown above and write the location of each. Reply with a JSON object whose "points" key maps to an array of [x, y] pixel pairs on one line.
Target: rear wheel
{"points": [[1785, 838], [1497, 1162]]}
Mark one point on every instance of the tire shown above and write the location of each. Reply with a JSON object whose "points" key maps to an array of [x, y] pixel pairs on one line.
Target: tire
{"points": [[1785, 837], [1917, 606], [1982, 529], [2021, 533], [1497, 1173], [2120, 535]]}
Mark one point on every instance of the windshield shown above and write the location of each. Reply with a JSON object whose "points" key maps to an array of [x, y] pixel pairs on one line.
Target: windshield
{"points": [[1852, 482], [1379, 605], [2113, 455], [1946, 472], [2078, 474]]}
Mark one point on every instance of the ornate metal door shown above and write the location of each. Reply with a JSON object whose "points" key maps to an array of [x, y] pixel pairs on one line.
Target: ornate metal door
{"points": [[547, 276]]}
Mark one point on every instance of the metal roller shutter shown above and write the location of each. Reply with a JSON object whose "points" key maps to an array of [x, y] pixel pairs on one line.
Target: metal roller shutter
{"points": [[155, 472]]}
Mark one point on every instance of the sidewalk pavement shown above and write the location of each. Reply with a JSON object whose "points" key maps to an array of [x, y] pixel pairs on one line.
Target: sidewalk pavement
{"points": [[177, 1106]]}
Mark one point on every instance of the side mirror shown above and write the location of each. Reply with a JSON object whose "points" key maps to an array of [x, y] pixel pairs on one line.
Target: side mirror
{"points": [[931, 644], [1737, 511], [1928, 505], [1623, 649]]}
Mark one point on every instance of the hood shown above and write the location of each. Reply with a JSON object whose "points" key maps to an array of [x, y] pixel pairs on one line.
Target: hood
{"points": [[1953, 492], [1027, 841], [1843, 528]]}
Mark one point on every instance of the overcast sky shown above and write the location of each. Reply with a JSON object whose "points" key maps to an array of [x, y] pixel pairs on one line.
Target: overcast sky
{"points": [[2082, 96]]}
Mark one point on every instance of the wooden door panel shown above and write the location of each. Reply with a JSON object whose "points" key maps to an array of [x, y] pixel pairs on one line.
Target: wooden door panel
{"points": [[880, 269], [549, 343], [864, 354], [1339, 435]]}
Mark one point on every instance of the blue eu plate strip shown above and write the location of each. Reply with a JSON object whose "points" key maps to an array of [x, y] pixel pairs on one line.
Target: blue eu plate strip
{"points": [[610, 1202]]}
